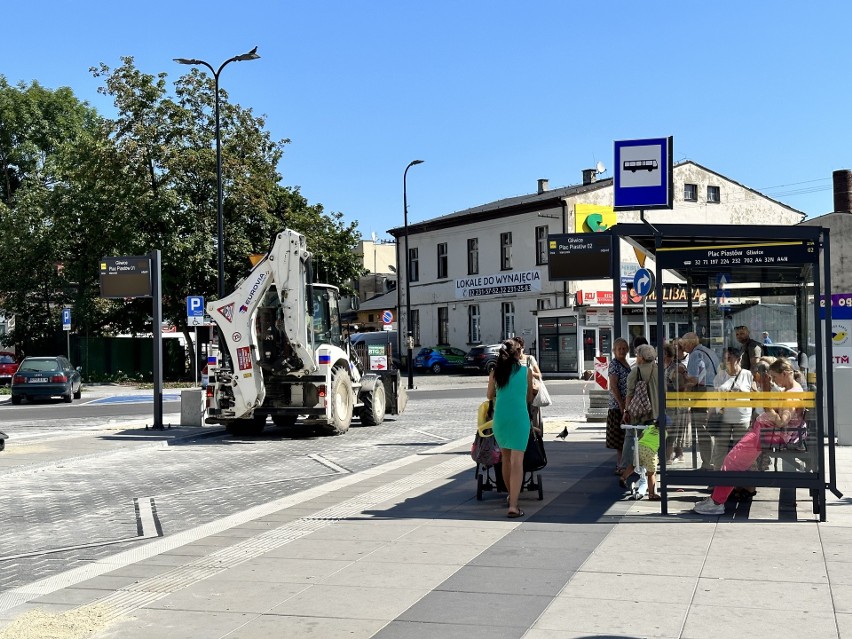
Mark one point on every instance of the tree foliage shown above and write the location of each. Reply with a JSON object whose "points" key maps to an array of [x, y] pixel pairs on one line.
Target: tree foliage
{"points": [[76, 187]]}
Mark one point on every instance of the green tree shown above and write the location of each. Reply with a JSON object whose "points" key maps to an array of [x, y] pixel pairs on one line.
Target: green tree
{"points": [[78, 187], [40, 131]]}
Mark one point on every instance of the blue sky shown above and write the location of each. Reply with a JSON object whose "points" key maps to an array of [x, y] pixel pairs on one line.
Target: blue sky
{"points": [[491, 95]]}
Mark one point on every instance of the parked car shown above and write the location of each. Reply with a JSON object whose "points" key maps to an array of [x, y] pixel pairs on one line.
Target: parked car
{"points": [[8, 366], [439, 358], [46, 377], [781, 350], [481, 359]]}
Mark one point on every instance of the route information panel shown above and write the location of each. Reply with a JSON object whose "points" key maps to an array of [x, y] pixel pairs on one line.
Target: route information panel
{"points": [[579, 256], [737, 255], [127, 276]]}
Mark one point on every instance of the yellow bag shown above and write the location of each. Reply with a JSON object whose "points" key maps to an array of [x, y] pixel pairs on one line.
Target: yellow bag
{"points": [[485, 419]]}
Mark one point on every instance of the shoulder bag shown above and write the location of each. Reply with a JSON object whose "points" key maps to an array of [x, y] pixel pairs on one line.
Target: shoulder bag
{"points": [[639, 409], [542, 397]]}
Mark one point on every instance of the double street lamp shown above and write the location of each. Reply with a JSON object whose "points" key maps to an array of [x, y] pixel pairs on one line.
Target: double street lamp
{"points": [[220, 232], [410, 336]]}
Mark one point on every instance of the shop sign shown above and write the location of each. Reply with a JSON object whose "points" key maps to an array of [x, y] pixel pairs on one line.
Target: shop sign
{"points": [[671, 293], [498, 284], [674, 293]]}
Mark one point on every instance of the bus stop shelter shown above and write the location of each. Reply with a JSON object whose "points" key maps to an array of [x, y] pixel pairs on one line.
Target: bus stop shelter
{"points": [[756, 276]]}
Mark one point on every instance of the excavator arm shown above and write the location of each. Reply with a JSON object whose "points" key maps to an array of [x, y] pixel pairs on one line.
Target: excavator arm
{"points": [[286, 268]]}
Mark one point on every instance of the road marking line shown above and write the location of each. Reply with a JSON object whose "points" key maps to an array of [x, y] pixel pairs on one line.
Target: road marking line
{"points": [[433, 435], [330, 464]]}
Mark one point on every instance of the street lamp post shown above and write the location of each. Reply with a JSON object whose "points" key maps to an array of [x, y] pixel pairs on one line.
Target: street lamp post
{"points": [[220, 231], [410, 335]]}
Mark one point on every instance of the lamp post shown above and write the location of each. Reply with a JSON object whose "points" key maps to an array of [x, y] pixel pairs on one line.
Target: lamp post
{"points": [[220, 231], [410, 335]]}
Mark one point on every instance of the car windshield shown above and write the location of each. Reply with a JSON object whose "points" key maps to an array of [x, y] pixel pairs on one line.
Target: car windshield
{"points": [[39, 365], [477, 351]]}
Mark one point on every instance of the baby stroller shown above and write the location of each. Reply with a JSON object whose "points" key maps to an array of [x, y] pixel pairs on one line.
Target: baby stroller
{"points": [[489, 470]]}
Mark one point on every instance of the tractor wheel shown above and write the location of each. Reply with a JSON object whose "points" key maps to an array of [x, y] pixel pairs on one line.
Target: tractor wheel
{"points": [[373, 412], [341, 402]]}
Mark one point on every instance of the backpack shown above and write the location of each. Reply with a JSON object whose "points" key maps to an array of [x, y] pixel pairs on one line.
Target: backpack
{"points": [[639, 409]]}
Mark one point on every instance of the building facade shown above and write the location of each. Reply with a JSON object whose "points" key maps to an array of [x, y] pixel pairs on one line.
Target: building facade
{"points": [[480, 275]]}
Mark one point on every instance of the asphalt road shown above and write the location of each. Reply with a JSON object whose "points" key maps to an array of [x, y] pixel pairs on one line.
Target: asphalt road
{"points": [[105, 404]]}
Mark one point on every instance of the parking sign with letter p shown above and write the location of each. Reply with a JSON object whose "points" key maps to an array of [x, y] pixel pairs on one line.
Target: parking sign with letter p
{"points": [[195, 310]]}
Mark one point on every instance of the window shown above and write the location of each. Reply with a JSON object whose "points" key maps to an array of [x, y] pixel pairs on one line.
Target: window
{"points": [[541, 245], [413, 265], [443, 325], [473, 333], [415, 326], [442, 260], [690, 192], [505, 251], [473, 256], [508, 309], [713, 195]]}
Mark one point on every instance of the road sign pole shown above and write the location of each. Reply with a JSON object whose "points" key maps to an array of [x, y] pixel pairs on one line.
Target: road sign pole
{"points": [[197, 359]]}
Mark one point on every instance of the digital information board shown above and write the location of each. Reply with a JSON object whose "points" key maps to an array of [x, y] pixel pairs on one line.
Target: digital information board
{"points": [[582, 256], [737, 255], [128, 276]]}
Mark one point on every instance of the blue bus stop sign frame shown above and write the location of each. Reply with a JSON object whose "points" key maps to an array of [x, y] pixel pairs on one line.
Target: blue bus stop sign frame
{"points": [[643, 174]]}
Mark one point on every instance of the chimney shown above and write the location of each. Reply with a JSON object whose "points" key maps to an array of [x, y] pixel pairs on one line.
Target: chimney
{"points": [[542, 185], [842, 191], [590, 176]]}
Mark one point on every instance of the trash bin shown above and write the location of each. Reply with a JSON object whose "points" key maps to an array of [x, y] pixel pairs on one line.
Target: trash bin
{"points": [[192, 407], [843, 405]]}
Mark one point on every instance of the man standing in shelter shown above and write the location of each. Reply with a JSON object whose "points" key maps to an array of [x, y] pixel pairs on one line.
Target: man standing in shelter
{"points": [[766, 338], [752, 349], [701, 369]]}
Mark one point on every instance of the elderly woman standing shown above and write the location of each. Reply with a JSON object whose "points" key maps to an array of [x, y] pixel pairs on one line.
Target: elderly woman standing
{"points": [[645, 370], [619, 369]]}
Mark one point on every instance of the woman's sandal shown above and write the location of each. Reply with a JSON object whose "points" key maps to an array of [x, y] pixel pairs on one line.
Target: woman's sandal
{"points": [[515, 514], [654, 497]]}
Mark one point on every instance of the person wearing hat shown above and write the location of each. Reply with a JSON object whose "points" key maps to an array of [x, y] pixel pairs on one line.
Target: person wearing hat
{"points": [[766, 338]]}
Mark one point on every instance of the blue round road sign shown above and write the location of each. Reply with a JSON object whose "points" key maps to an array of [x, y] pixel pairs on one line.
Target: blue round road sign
{"points": [[387, 317], [643, 282]]}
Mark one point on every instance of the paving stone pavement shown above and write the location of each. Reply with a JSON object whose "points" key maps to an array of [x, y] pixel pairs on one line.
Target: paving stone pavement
{"points": [[402, 548], [65, 511]]}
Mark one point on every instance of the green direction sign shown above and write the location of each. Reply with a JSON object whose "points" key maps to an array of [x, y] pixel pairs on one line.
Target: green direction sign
{"points": [[376, 349], [128, 276]]}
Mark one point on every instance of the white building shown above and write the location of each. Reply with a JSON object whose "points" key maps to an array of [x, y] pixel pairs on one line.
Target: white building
{"points": [[481, 275]]}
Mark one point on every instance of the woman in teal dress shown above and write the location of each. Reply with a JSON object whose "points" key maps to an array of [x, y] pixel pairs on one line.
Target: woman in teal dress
{"points": [[511, 386]]}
